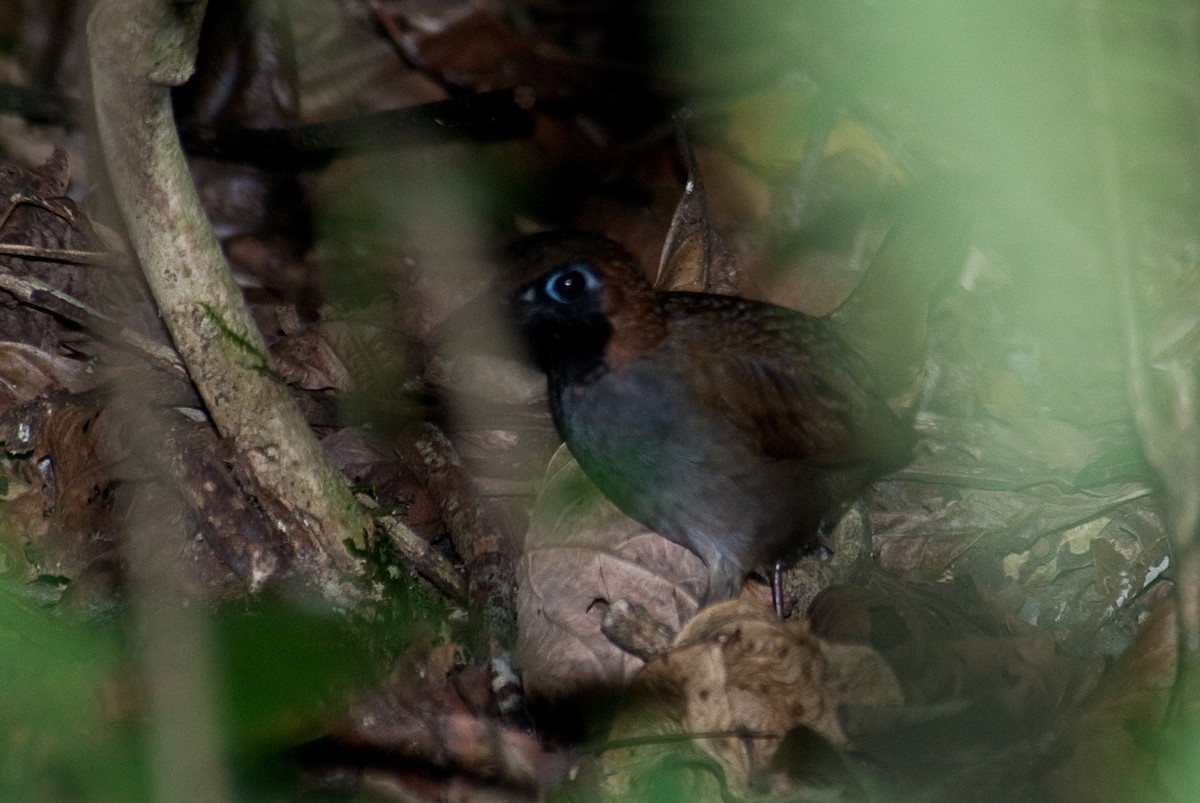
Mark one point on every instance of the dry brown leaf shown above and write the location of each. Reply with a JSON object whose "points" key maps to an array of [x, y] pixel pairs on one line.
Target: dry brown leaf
{"points": [[369, 460], [943, 646], [1012, 454], [581, 550], [1070, 562], [695, 257], [78, 454], [482, 51], [44, 185], [1108, 757], [742, 679], [27, 371], [308, 360], [954, 525]]}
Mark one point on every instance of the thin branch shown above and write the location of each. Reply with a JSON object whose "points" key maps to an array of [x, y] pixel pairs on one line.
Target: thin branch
{"points": [[36, 293], [70, 255], [138, 49], [430, 564], [485, 548]]}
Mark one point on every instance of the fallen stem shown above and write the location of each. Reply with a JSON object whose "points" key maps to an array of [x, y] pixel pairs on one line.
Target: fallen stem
{"points": [[138, 49], [38, 294], [73, 256]]}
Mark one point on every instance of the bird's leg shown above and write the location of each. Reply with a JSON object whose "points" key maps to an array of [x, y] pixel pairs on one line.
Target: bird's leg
{"points": [[775, 578]]}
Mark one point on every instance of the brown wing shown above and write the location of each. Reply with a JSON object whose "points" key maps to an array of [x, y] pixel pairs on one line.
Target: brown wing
{"points": [[787, 380]]}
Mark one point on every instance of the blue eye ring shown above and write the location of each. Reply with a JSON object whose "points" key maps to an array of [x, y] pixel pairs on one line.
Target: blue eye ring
{"points": [[570, 284]]}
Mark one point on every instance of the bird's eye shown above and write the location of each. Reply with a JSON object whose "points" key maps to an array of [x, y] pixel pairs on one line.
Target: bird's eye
{"points": [[570, 284]]}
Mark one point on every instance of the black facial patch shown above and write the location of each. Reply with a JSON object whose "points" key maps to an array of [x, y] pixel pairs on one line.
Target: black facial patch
{"points": [[562, 321]]}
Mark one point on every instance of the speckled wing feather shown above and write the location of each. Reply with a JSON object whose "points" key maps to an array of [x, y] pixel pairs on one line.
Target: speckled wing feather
{"points": [[788, 380]]}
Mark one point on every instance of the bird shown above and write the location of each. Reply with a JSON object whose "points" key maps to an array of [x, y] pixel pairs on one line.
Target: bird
{"points": [[736, 428]]}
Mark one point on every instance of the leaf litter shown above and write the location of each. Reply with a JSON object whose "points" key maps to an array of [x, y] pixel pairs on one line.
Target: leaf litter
{"points": [[1013, 633]]}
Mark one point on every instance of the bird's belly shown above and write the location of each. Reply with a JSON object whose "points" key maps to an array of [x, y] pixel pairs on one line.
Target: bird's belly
{"points": [[693, 479]]}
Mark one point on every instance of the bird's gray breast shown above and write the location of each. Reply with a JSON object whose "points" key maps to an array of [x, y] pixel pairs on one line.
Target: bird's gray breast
{"points": [[657, 457], [624, 428]]}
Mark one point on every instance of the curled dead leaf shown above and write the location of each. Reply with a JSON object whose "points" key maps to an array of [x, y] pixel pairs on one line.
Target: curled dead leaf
{"points": [[739, 680], [695, 258], [309, 360], [79, 459]]}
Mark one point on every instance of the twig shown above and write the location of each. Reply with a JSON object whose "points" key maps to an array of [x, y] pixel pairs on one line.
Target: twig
{"points": [[483, 546], [138, 49], [424, 559], [38, 294], [70, 255]]}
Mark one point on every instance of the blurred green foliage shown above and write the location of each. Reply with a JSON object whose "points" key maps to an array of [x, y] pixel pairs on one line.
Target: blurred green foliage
{"points": [[66, 735], [75, 723]]}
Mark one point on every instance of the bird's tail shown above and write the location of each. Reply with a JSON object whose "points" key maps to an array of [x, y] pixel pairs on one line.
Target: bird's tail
{"points": [[885, 318]]}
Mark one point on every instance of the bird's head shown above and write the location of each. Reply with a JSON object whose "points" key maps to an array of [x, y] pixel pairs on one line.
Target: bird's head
{"points": [[580, 301]]}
